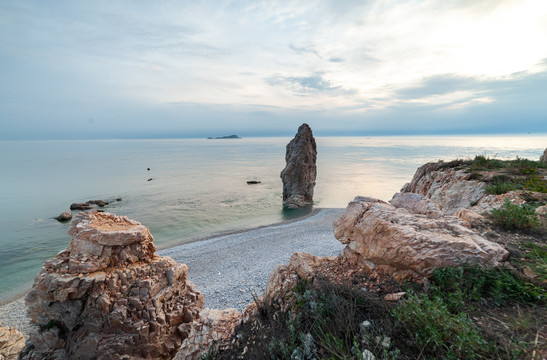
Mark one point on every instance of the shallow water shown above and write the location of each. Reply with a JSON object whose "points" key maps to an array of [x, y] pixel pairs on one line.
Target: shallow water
{"points": [[199, 186]]}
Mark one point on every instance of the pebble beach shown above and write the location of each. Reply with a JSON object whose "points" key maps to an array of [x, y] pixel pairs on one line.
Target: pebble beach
{"points": [[230, 269]]}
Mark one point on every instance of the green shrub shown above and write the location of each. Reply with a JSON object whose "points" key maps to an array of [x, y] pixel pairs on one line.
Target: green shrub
{"points": [[536, 183], [515, 217], [481, 162], [436, 330], [462, 285], [501, 188]]}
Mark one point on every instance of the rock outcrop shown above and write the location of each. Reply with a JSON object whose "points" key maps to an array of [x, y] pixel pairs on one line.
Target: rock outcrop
{"points": [[450, 189], [11, 343], [109, 296], [393, 240], [543, 158], [300, 172]]}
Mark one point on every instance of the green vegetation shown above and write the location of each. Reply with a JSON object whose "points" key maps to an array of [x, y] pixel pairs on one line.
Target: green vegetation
{"points": [[453, 317], [515, 217]]}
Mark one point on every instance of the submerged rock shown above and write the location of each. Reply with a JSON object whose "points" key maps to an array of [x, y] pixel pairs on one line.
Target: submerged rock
{"points": [[109, 296], [300, 172], [11, 343], [393, 240]]}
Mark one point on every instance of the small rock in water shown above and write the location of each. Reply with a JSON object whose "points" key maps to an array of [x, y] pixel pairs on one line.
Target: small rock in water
{"points": [[67, 215], [252, 182], [148, 169], [150, 179], [119, 199], [100, 203], [80, 206]]}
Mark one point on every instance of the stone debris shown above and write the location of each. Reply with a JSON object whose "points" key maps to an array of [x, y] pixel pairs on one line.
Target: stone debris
{"points": [[109, 296], [383, 238], [300, 172], [11, 343]]}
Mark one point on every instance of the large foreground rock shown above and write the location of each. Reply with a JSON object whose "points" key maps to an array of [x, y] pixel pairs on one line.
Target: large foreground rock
{"points": [[109, 296], [543, 158], [393, 240], [11, 342], [300, 172]]}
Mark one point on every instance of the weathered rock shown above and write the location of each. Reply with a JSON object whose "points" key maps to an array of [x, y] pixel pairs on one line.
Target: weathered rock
{"points": [[80, 206], [109, 296], [543, 158], [11, 343], [300, 172], [417, 204], [448, 188], [386, 239], [211, 326], [66, 216]]}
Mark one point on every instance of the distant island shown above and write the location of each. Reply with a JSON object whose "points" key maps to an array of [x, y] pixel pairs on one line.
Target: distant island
{"points": [[224, 137]]}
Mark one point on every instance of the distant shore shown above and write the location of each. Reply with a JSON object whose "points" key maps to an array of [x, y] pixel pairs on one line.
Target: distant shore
{"points": [[231, 267]]}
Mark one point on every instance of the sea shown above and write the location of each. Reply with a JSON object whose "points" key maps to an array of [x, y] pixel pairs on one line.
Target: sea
{"points": [[186, 190]]}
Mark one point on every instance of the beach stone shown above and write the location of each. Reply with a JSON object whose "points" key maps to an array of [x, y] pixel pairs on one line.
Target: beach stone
{"points": [[11, 342], [66, 216], [109, 296], [450, 189], [406, 245], [300, 171]]}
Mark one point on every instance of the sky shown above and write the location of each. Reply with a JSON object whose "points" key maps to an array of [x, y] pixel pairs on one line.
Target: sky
{"points": [[169, 69]]}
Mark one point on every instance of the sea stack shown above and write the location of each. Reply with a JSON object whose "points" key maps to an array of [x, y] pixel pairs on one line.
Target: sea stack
{"points": [[109, 296], [300, 172]]}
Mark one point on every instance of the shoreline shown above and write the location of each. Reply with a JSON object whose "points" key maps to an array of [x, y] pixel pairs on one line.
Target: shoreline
{"points": [[225, 268], [159, 248]]}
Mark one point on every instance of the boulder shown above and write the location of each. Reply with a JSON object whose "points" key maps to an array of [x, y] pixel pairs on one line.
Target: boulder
{"points": [[450, 189], [393, 240], [543, 158], [300, 172], [66, 216], [417, 204], [11, 343], [109, 296]]}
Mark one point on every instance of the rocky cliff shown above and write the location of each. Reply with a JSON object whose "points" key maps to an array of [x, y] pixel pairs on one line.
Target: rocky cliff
{"points": [[109, 296], [300, 172]]}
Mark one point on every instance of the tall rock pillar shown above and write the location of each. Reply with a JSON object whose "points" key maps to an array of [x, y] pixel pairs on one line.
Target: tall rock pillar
{"points": [[300, 172]]}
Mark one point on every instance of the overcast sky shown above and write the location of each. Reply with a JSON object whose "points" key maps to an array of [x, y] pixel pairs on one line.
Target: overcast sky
{"points": [[123, 69]]}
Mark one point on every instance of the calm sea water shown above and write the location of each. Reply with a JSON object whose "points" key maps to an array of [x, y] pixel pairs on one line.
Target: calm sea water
{"points": [[199, 186]]}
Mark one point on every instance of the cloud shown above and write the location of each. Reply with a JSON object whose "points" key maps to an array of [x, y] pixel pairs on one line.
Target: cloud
{"points": [[308, 85]]}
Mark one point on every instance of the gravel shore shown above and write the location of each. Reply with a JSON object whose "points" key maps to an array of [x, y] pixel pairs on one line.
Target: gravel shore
{"points": [[230, 269]]}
